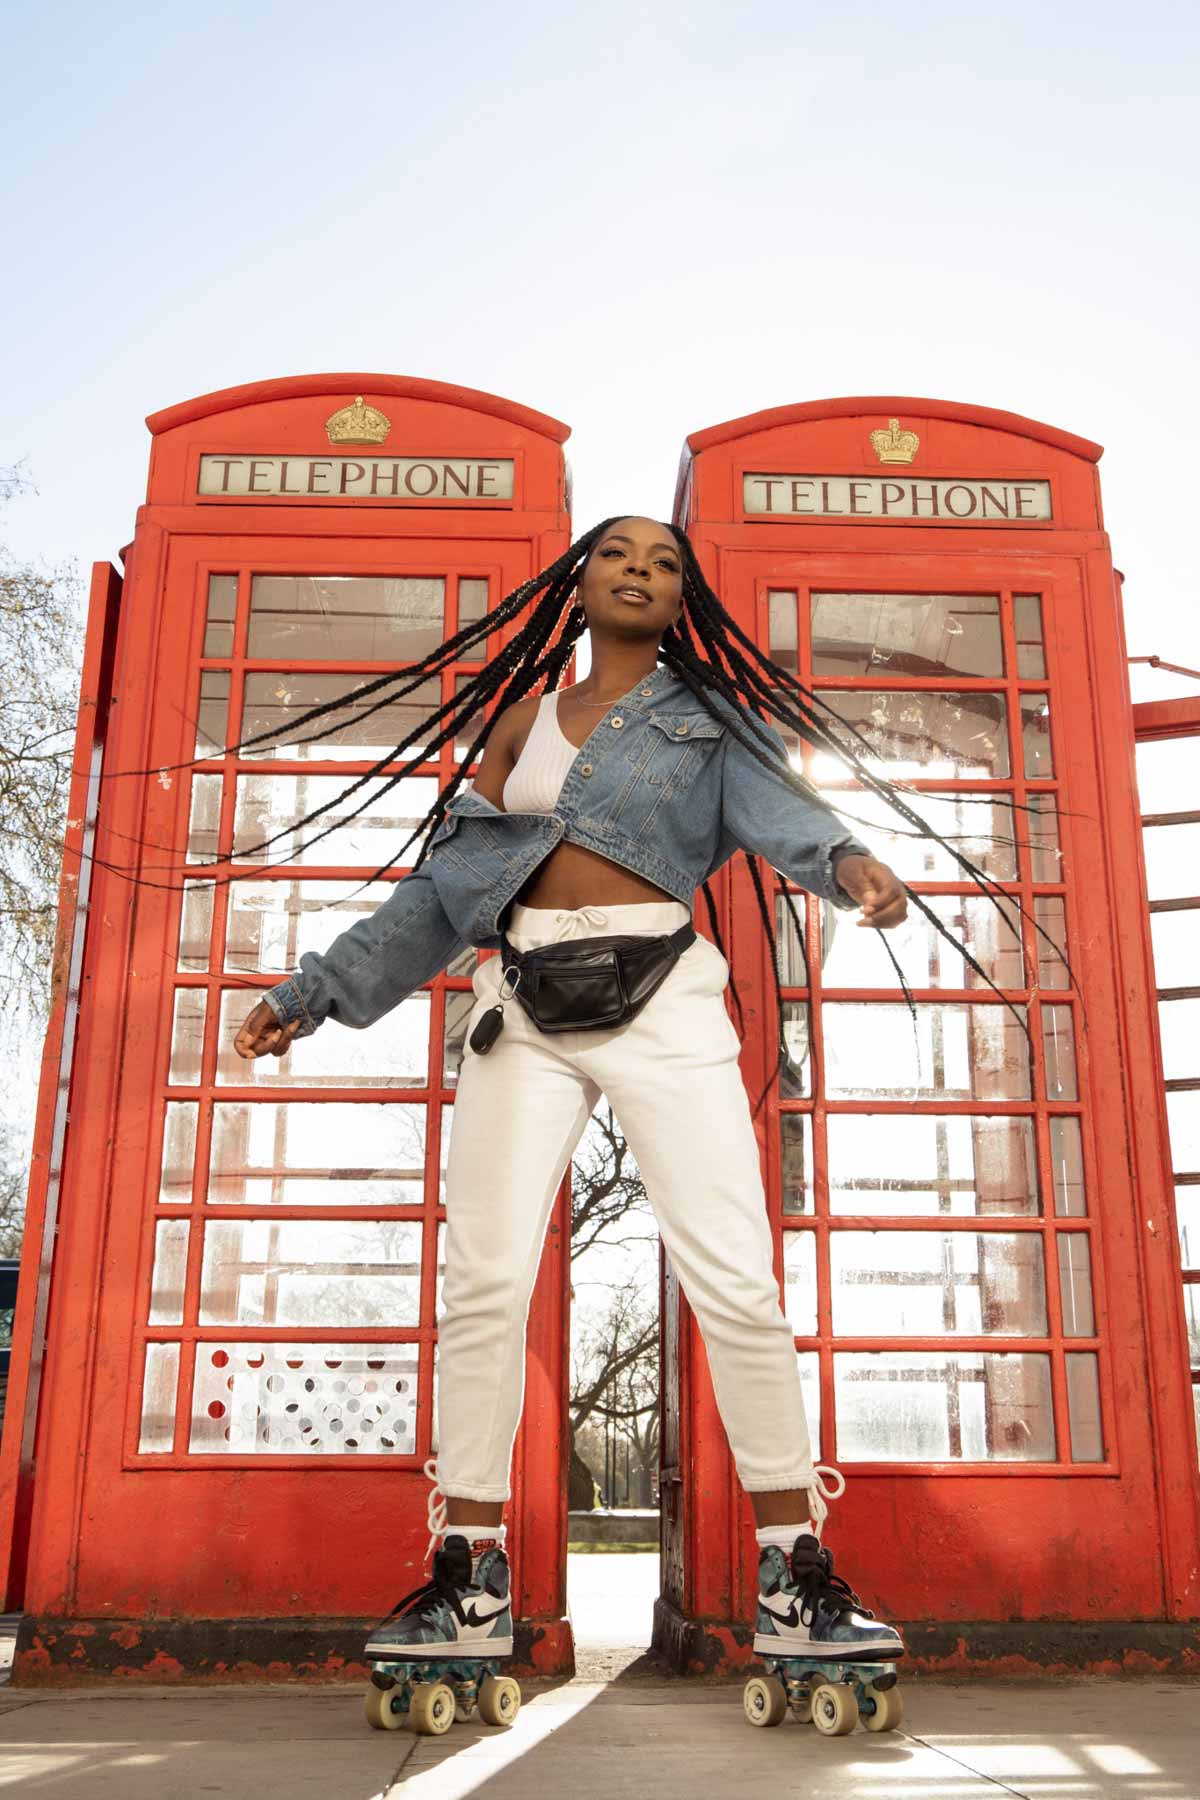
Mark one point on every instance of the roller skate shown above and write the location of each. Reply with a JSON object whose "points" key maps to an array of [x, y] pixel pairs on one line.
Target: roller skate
{"points": [[826, 1656], [437, 1655]]}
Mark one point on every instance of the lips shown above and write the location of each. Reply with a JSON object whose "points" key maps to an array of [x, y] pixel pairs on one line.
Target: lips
{"points": [[628, 592]]}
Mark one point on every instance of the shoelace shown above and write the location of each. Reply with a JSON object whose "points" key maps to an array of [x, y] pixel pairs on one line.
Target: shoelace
{"points": [[817, 1587], [425, 1599]]}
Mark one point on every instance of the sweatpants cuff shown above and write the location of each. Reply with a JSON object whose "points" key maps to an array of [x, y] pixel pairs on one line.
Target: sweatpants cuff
{"points": [[790, 1478], [462, 1490]]}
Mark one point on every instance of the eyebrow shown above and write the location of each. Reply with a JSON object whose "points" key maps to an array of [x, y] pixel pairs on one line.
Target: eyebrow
{"points": [[621, 538]]}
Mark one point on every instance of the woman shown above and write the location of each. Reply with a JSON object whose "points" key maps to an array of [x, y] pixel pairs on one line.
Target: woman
{"points": [[595, 813]]}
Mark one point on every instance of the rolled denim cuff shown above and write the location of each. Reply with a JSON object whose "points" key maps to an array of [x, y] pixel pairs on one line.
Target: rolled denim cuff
{"points": [[287, 1003], [848, 846]]}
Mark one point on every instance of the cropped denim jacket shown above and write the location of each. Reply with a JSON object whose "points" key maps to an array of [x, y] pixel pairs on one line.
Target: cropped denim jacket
{"points": [[659, 786]]}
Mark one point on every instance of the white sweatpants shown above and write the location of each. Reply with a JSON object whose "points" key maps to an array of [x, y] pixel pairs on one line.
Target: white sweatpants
{"points": [[672, 1077]]}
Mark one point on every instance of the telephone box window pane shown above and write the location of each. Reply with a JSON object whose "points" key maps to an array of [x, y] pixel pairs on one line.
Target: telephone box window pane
{"points": [[342, 1272], [1049, 914], [269, 805], [1172, 861], [393, 1054], [471, 727], [989, 930], [926, 1283], [1058, 1043], [178, 1154], [1176, 937], [1187, 1212], [928, 734], [170, 1271], [212, 719], [472, 600], [1031, 653], [1168, 774], [222, 608], [1035, 732], [297, 1154], [205, 821], [1083, 1406], [808, 1363], [789, 942], [195, 927], [1191, 1313], [922, 1406], [1075, 1284], [160, 1383], [272, 924], [800, 1282], [360, 731], [458, 1013], [1179, 1031], [1183, 1125], [920, 1163], [187, 1036], [1066, 1168], [978, 827], [781, 628], [907, 634], [346, 618], [305, 1400], [794, 1074], [796, 1162], [1040, 830], [951, 1052]]}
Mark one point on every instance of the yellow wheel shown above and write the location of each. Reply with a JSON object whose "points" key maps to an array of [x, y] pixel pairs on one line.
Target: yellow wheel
{"points": [[834, 1709], [765, 1700], [499, 1699], [889, 1709], [431, 1710], [381, 1714]]}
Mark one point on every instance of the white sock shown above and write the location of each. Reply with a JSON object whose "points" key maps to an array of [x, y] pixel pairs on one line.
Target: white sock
{"points": [[480, 1538], [782, 1536]]}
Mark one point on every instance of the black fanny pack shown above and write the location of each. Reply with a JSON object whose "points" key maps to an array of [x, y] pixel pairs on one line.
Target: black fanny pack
{"points": [[584, 984]]}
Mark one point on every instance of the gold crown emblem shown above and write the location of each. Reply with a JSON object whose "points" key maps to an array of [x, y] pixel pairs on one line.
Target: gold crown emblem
{"points": [[894, 445], [358, 424]]}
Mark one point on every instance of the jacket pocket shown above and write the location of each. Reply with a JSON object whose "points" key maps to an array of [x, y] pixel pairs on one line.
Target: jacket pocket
{"points": [[683, 743]]}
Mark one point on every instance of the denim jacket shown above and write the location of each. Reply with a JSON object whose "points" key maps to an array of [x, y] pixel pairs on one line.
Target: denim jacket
{"points": [[660, 786]]}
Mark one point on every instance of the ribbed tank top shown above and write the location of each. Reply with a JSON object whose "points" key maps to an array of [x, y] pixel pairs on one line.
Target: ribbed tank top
{"points": [[535, 780]]}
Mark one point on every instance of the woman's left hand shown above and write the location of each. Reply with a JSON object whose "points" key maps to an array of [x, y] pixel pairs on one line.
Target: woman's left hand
{"points": [[876, 888]]}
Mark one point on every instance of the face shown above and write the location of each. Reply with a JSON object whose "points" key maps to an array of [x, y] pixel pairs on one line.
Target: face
{"points": [[632, 583]]}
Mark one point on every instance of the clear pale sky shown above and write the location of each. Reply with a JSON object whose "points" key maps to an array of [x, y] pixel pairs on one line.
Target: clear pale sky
{"points": [[643, 219]]}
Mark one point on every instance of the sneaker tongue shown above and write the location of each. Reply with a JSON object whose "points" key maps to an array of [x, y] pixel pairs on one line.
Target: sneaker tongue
{"points": [[453, 1560]]}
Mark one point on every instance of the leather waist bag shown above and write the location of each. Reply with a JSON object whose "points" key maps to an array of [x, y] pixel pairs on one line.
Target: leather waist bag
{"points": [[588, 984]]}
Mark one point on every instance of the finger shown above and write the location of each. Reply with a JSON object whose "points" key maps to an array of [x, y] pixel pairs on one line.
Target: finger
{"points": [[894, 913]]}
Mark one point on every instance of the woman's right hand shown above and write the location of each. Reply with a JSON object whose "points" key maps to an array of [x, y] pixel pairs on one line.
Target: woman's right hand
{"points": [[263, 1035]]}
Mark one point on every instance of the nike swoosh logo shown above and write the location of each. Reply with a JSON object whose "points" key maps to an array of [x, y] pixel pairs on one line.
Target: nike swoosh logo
{"points": [[474, 1618], [791, 1618]]}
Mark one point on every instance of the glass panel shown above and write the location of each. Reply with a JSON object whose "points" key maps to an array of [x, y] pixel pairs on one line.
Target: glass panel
{"points": [[906, 634], [458, 1013], [800, 1282], [472, 599], [1066, 1168], [1049, 913], [269, 1154], [187, 1036], [205, 820], [1191, 1313], [1183, 1123], [305, 1399], [979, 828], [809, 1365], [1040, 831], [922, 1406], [989, 931], [270, 804], [796, 1162], [346, 1272], [160, 1383], [212, 719], [919, 1163], [781, 628], [195, 926], [926, 734], [1187, 1212], [1168, 774], [1075, 1284], [170, 1272], [346, 618], [1176, 937], [271, 924], [394, 1053], [1083, 1406], [789, 941], [471, 727], [1179, 1030], [1027, 621], [795, 1074], [179, 1153], [1058, 1045], [950, 1052], [1035, 733], [926, 1283], [222, 608], [346, 735]]}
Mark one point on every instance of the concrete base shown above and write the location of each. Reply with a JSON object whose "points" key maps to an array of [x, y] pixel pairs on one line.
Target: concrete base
{"points": [[629, 1525]]}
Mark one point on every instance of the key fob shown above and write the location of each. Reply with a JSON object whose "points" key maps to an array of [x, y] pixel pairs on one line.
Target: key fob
{"points": [[487, 1030]]}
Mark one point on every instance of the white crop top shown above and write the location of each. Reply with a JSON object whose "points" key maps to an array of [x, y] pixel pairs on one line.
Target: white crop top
{"points": [[535, 780]]}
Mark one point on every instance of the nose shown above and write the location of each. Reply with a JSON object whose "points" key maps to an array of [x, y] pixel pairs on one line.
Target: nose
{"points": [[633, 567]]}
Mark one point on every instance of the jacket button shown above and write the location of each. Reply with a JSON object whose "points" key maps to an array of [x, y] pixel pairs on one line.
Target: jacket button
{"points": [[645, 692], [617, 724], [681, 730], [586, 769]]}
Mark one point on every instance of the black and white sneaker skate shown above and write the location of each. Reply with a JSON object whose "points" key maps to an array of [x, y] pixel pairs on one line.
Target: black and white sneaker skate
{"points": [[454, 1614], [804, 1609]]}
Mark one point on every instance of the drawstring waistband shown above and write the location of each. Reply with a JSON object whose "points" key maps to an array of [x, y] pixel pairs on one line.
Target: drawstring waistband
{"points": [[569, 924], [819, 1494], [435, 1513]]}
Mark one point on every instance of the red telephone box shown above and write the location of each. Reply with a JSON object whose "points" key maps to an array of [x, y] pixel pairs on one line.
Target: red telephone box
{"points": [[975, 1226], [223, 1387]]}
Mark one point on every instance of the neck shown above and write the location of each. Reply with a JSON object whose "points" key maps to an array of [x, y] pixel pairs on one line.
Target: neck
{"points": [[616, 668]]}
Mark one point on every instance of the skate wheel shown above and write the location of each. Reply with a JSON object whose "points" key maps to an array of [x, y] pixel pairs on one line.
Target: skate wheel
{"points": [[802, 1708], [834, 1709], [431, 1709], [382, 1715], [499, 1699], [765, 1700], [888, 1710]]}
